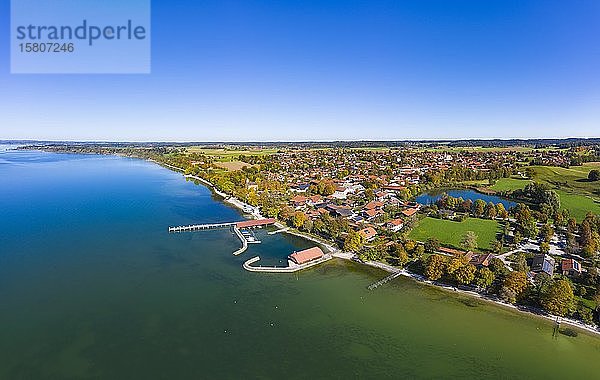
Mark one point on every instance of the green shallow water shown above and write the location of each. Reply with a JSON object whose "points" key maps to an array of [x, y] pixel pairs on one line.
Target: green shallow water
{"points": [[92, 286]]}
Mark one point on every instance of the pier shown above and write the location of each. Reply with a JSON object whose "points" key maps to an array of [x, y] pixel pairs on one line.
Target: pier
{"points": [[253, 223], [377, 284], [242, 239], [291, 268], [198, 227]]}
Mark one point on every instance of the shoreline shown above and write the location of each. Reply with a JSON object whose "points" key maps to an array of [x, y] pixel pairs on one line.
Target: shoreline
{"points": [[390, 269], [494, 301]]}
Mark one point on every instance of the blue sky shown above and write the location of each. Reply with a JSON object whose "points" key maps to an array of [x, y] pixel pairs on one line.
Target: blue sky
{"points": [[330, 70]]}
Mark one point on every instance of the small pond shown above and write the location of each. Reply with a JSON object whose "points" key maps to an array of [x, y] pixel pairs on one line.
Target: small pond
{"points": [[433, 196]]}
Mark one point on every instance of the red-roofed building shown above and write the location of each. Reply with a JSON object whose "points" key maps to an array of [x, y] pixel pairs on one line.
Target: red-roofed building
{"points": [[307, 255], [570, 267], [368, 233], [255, 223], [409, 212], [395, 225]]}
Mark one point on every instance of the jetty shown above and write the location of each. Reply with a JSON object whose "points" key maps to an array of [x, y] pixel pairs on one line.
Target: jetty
{"points": [[198, 227], [279, 231], [253, 223], [291, 268], [377, 284], [242, 239]]}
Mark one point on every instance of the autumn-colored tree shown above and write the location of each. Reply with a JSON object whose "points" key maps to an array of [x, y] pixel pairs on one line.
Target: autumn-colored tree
{"points": [[298, 219], [434, 267], [484, 277], [558, 297], [513, 286], [353, 242]]}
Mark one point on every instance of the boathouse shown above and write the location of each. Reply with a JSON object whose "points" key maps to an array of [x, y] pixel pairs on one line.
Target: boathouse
{"points": [[307, 255]]}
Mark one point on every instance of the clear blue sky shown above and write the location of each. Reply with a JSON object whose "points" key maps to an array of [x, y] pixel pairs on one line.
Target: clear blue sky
{"points": [[324, 70]]}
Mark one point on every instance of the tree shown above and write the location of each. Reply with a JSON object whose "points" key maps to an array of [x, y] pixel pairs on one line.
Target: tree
{"points": [[298, 219], [501, 211], [544, 247], [520, 263], [497, 246], [498, 267], [419, 251], [453, 265], [594, 175], [513, 286], [490, 210], [547, 232], [553, 199], [353, 242], [464, 274], [434, 267], [558, 297], [432, 245], [517, 237], [479, 207], [402, 257], [484, 277], [469, 241]]}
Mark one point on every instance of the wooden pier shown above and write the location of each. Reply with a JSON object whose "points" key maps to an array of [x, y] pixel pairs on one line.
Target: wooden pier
{"points": [[198, 227], [252, 223], [377, 284]]}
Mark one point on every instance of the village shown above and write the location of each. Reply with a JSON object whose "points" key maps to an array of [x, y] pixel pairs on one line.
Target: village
{"points": [[481, 220]]}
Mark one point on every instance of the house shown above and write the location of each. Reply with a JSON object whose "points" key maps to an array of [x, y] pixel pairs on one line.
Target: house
{"points": [[368, 233], [315, 200], [395, 225], [543, 263], [570, 267], [342, 211], [455, 252], [447, 214], [374, 205], [341, 192], [482, 260], [409, 212], [252, 186], [306, 256], [300, 188], [299, 201], [372, 213]]}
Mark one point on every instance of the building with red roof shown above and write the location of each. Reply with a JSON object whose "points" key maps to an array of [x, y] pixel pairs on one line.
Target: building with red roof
{"points": [[308, 255]]}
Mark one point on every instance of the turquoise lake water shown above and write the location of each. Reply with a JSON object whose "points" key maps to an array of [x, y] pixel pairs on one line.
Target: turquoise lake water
{"points": [[92, 286]]}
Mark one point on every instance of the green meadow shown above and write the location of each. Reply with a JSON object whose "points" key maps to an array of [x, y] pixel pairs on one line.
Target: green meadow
{"points": [[508, 184], [450, 233]]}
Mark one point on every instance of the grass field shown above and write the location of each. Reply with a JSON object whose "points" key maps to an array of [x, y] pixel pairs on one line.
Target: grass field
{"points": [[232, 165], [450, 233], [577, 194], [574, 178], [578, 205], [228, 155], [513, 183]]}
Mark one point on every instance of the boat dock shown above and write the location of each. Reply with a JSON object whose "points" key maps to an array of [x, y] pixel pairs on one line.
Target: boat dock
{"points": [[253, 223], [198, 227], [377, 284]]}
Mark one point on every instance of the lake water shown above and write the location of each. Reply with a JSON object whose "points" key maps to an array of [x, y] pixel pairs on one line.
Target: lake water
{"points": [[93, 287], [432, 197]]}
